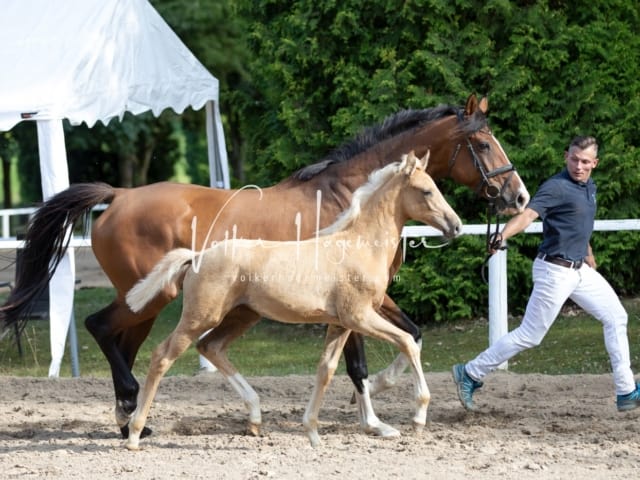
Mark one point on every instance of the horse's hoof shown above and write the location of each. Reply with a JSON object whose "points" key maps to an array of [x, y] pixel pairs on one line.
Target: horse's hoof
{"points": [[418, 428], [143, 434], [253, 429], [382, 430]]}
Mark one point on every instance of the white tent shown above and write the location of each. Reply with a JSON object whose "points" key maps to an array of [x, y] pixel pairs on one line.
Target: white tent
{"points": [[89, 61]]}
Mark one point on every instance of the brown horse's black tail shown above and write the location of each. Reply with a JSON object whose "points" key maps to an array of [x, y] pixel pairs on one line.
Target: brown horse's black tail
{"points": [[46, 242]]}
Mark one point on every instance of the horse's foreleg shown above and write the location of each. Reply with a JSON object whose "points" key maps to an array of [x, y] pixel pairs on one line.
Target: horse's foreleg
{"points": [[369, 421], [389, 376], [373, 324], [120, 351], [357, 369], [161, 360], [356, 360], [214, 347], [334, 343]]}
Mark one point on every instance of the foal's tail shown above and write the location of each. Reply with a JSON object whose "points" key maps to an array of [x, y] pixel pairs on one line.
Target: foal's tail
{"points": [[166, 272], [46, 241]]}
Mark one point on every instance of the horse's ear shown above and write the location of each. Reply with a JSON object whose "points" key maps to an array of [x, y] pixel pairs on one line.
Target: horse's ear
{"points": [[484, 105], [472, 105]]}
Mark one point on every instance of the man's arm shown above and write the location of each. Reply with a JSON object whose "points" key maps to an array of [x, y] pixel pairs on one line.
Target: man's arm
{"points": [[590, 259], [514, 226]]}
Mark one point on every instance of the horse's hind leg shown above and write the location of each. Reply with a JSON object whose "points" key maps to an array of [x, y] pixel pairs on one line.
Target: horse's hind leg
{"points": [[120, 350], [334, 343], [129, 344], [214, 347], [162, 358]]}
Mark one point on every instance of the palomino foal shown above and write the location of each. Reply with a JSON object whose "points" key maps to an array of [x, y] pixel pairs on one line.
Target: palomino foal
{"points": [[338, 278]]}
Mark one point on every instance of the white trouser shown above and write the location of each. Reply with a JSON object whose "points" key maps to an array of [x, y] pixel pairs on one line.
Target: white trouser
{"points": [[553, 285]]}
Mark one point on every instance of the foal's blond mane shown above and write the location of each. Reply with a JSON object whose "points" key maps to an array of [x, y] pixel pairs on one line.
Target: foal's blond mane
{"points": [[361, 196]]}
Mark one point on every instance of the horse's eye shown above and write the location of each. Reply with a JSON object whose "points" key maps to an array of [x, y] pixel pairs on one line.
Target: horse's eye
{"points": [[484, 146], [427, 193]]}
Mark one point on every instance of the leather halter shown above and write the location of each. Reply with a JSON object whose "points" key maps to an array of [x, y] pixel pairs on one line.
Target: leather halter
{"points": [[492, 191]]}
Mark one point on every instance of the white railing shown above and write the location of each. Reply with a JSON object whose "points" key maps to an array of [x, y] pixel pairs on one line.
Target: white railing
{"points": [[9, 240], [498, 310]]}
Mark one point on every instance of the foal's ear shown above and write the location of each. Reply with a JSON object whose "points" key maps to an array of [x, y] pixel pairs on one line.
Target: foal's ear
{"points": [[424, 161], [409, 163]]}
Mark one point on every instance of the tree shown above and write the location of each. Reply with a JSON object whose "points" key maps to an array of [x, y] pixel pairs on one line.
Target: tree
{"points": [[214, 32]]}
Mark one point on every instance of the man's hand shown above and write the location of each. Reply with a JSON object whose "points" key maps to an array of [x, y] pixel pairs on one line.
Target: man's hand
{"points": [[495, 243]]}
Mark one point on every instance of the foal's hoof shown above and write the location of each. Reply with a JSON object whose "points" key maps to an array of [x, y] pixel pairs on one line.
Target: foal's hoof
{"points": [[133, 447], [143, 434], [382, 430]]}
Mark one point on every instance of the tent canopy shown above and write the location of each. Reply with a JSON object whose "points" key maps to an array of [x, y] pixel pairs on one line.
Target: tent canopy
{"points": [[90, 60]]}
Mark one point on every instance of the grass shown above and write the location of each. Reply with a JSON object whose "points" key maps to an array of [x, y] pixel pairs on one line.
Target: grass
{"points": [[573, 345]]}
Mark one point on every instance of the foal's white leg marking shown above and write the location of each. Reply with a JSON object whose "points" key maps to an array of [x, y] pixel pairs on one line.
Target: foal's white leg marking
{"points": [[423, 396], [251, 401], [369, 422], [388, 377]]}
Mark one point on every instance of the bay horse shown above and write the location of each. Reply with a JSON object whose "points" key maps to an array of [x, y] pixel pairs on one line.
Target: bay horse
{"points": [[338, 278], [142, 224]]}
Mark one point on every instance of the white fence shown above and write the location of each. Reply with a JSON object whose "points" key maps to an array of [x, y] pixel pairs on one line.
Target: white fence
{"points": [[498, 310], [8, 240]]}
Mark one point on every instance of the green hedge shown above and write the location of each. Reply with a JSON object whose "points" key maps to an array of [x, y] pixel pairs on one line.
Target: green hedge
{"points": [[552, 69]]}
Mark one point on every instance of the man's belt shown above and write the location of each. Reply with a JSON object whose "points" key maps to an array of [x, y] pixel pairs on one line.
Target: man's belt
{"points": [[563, 262]]}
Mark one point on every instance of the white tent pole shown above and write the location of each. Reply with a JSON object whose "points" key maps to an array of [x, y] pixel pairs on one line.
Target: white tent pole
{"points": [[216, 149], [55, 178], [218, 172]]}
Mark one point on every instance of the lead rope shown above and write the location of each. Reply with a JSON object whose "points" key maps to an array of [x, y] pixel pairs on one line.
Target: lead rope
{"points": [[490, 238]]}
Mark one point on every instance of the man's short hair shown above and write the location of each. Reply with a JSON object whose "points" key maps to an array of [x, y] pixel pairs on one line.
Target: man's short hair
{"points": [[583, 141]]}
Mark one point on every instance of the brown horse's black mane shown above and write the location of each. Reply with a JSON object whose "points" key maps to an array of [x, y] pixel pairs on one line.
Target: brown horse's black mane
{"points": [[393, 125]]}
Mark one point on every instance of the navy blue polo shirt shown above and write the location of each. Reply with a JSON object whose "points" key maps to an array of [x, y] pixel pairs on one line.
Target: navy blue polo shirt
{"points": [[567, 209]]}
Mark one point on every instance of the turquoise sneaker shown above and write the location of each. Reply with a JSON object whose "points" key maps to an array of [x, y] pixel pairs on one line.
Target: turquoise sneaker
{"points": [[467, 385], [629, 401]]}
